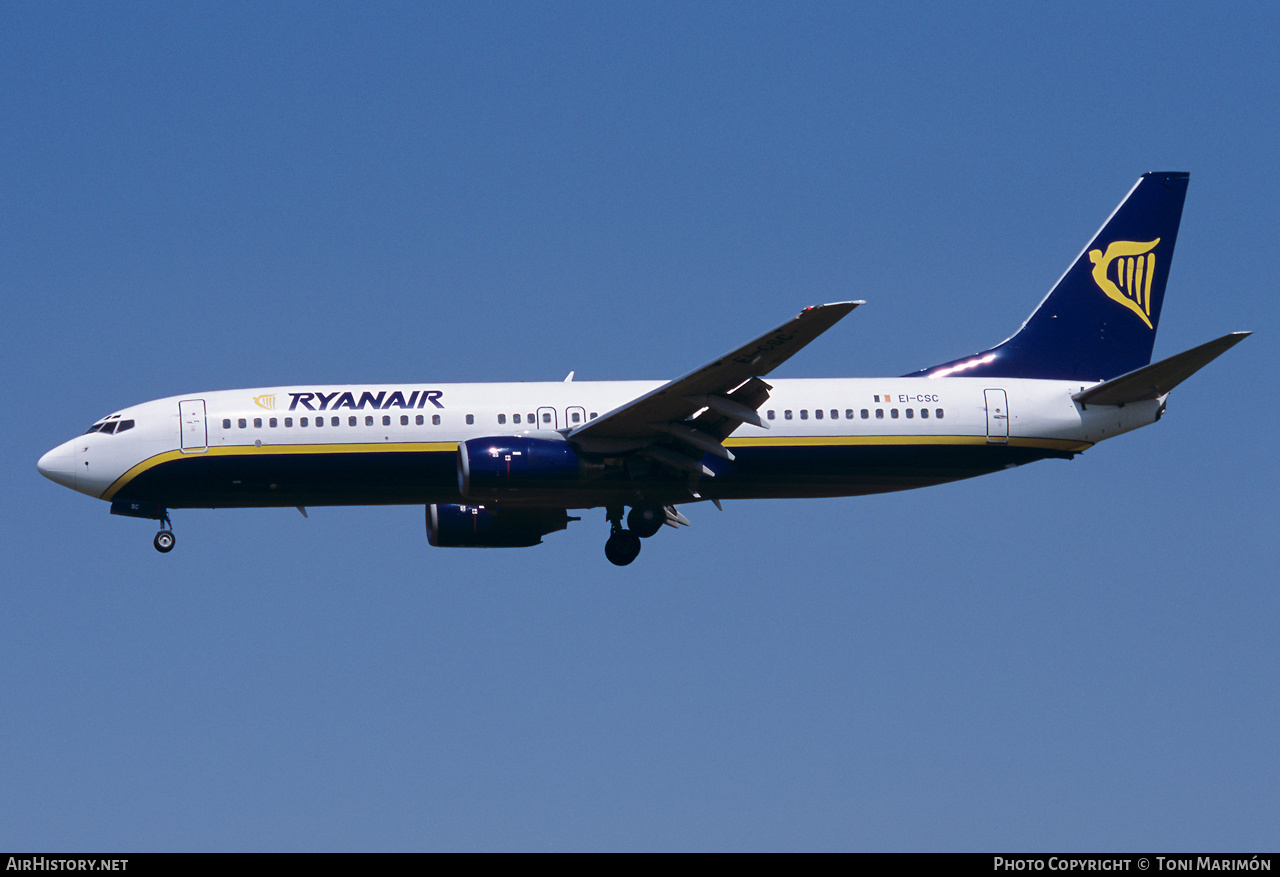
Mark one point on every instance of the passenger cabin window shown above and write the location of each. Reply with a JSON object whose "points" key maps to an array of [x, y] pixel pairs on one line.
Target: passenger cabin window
{"points": [[386, 420], [419, 420], [471, 419], [864, 414], [502, 418], [226, 423], [817, 415], [804, 413], [911, 412], [368, 421], [273, 423], [351, 421], [893, 412], [786, 415], [879, 414], [257, 423], [769, 414], [303, 422], [242, 423], [288, 422], [576, 417], [404, 419], [924, 412], [334, 421], [937, 412], [435, 419]]}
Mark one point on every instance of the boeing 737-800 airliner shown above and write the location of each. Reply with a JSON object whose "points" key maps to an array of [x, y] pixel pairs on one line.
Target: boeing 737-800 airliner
{"points": [[502, 465]]}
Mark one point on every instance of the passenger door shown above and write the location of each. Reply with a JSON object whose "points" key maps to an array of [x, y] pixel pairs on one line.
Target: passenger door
{"points": [[195, 434], [997, 416]]}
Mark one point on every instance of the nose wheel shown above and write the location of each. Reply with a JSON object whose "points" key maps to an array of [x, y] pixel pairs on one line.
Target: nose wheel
{"points": [[165, 539]]}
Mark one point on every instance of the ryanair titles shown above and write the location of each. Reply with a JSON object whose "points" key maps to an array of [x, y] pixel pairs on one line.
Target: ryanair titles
{"points": [[319, 401]]}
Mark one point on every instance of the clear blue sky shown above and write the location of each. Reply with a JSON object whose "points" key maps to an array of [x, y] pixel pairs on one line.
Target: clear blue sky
{"points": [[1072, 655]]}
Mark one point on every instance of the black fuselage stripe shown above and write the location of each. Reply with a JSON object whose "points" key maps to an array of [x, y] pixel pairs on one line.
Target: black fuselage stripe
{"points": [[392, 477]]}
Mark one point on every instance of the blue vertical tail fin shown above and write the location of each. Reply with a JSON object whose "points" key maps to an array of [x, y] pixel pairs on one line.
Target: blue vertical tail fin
{"points": [[1099, 320]]}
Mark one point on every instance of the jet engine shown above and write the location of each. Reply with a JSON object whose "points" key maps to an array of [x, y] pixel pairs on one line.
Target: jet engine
{"points": [[474, 526], [490, 468]]}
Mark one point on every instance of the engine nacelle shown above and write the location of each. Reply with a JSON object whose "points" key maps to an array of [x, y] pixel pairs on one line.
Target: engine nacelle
{"points": [[490, 468], [473, 526]]}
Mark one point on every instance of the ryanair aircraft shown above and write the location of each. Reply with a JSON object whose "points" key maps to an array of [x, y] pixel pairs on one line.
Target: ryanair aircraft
{"points": [[502, 465]]}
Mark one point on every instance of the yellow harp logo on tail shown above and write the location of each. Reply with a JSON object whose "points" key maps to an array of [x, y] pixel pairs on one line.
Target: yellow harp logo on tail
{"points": [[1135, 265]]}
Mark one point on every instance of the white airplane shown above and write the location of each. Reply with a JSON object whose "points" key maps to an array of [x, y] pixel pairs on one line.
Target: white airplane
{"points": [[501, 465]]}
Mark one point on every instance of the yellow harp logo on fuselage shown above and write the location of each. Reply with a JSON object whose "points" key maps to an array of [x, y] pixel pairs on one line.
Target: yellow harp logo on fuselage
{"points": [[1135, 265], [266, 400]]}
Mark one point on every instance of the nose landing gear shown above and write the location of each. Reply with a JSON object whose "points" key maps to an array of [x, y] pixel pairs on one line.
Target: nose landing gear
{"points": [[153, 511], [165, 539]]}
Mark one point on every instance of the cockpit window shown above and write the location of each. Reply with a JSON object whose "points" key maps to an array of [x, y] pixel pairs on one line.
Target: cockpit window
{"points": [[110, 425]]}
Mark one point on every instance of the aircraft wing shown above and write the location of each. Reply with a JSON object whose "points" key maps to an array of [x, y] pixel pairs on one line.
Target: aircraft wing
{"points": [[728, 388]]}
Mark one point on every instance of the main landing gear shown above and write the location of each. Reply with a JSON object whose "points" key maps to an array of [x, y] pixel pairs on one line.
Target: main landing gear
{"points": [[165, 539], [624, 544]]}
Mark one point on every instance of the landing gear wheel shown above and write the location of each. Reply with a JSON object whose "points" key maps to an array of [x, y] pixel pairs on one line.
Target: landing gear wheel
{"points": [[622, 547], [164, 541], [644, 521]]}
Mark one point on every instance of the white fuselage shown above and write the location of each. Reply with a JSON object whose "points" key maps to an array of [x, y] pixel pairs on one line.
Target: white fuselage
{"points": [[281, 445]]}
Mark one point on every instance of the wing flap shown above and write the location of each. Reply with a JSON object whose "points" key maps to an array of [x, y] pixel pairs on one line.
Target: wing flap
{"points": [[724, 414]]}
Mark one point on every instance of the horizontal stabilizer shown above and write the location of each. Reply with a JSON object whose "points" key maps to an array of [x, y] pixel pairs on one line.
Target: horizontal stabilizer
{"points": [[1155, 380]]}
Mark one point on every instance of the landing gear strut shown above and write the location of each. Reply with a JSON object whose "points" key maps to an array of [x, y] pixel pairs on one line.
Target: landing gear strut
{"points": [[623, 545], [165, 539]]}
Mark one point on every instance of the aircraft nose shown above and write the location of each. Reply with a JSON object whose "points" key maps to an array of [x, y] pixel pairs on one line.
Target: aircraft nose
{"points": [[59, 465]]}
